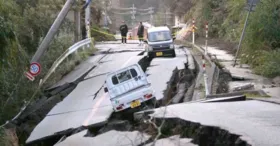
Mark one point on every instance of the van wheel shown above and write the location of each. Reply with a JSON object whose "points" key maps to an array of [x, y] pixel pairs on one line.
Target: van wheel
{"points": [[150, 55], [173, 53], [154, 103]]}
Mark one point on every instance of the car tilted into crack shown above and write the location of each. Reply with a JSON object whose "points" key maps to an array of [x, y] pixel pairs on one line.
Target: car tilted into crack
{"points": [[160, 42], [129, 88]]}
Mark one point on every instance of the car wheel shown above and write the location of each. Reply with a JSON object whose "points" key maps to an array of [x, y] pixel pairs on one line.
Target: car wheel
{"points": [[154, 103], [173, 53]]}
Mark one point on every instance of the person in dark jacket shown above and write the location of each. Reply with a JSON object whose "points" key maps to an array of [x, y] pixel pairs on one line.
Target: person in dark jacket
{"points": [[140, 33], [123, 30]]}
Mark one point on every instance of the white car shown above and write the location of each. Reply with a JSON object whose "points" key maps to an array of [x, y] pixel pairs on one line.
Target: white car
{"points": [[129, 88], [160, 42]]}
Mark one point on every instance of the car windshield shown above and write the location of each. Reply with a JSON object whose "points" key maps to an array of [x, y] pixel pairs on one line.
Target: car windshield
{"points": [[159, 36]]}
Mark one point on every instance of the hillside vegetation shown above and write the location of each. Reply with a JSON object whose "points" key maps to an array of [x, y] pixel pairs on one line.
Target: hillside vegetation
{"points": [[23, 25], [261, 44]]}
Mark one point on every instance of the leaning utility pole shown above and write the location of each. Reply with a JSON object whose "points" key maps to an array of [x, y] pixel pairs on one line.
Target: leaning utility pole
{"points": [[243, 32], [52, 31], [87, 20], [105, 14], [77, 19]]}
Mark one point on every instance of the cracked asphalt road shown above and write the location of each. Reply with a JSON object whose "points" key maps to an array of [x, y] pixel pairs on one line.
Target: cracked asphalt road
{"points": [[87, 104]]}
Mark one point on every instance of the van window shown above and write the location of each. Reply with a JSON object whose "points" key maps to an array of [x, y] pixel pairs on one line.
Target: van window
{"points": [[133, 73], [115, 80], [159, 36], [124, 76]]}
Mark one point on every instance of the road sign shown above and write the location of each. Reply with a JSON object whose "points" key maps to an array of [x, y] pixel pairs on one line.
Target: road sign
{"points": [[29, 76], [35, 69]]}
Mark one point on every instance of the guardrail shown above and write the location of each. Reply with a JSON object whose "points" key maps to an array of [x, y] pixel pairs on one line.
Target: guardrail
{"points": [[72, 49], [69, 51], [213, 73]]}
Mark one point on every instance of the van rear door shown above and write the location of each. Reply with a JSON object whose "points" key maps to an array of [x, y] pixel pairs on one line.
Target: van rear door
{"points": [[126, 80]]}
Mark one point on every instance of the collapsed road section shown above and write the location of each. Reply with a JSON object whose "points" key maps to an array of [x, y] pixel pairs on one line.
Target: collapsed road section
{"points": [[87, 106], [82, 104], [84, 109]]}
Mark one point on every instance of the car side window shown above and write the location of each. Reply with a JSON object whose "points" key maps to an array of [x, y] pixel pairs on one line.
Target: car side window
{"points": [[133, 73], [115, 80]]}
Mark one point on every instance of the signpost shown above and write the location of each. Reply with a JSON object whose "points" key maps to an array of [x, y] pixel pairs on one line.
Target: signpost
{"points": [[34, 70], [29, 76]]}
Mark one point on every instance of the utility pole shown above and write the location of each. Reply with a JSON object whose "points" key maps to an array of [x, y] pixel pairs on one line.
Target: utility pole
{"points": [[77, 19], [87, 20], [133, 15], [105, 15], [165, 17], [151, 15], [52, 31], [243, 32]]}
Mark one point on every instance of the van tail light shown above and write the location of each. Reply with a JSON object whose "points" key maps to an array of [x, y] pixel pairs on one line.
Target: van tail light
{"points": [[148, 96], [120, 107]]}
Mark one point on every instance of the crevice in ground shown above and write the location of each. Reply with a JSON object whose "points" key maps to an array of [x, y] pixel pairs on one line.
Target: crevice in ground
{"points": [[95, 94], [126, 122], [200, 134], [93, 129], [115, 52]]}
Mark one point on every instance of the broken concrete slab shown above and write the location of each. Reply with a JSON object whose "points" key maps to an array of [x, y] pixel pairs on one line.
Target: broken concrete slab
{"points": [[276, 80], [111, 138], [161, 70], [243, 87], [250, 119], [273, 92], [220, 54], [173, 141], [189, 94], [180, 93], [239, 93], [227, 99], [87, 105]]}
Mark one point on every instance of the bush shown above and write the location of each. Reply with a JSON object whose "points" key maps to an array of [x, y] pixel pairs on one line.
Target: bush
{"points": [[226, 20], [269, 64]]}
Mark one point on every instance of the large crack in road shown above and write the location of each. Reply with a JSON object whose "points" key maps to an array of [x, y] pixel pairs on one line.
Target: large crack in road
{"points": [[179, 89]]}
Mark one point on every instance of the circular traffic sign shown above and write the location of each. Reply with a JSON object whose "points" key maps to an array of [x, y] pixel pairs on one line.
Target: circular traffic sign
{"points": [[35, 68]]}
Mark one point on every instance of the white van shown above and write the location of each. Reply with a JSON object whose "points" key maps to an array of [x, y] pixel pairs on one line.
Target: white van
{"points": [[129, 88], [160, 42]]}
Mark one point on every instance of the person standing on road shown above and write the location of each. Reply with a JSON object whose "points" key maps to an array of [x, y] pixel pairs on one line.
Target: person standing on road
{"points": [[123, 30], [140, 33]]}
